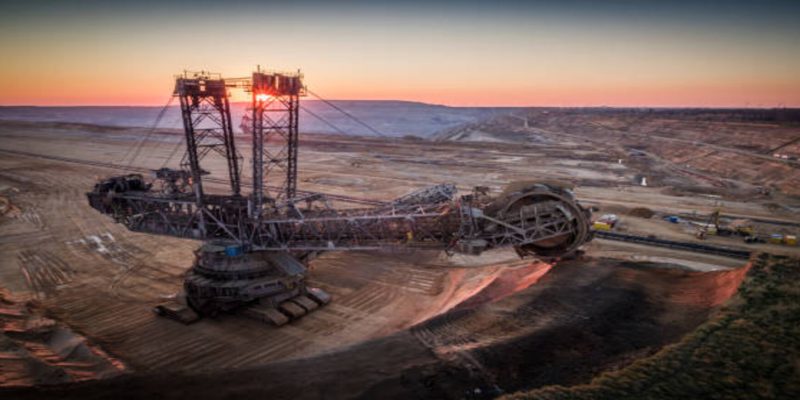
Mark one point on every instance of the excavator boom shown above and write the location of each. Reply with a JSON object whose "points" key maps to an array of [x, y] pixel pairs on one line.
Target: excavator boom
{"points": [[257, 246]]}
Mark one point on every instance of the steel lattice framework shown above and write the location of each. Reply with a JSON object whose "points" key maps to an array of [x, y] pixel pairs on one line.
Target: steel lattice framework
{"points": [[273, 231], [206, 115], [432, 219], [275, 128], [277, 220]]}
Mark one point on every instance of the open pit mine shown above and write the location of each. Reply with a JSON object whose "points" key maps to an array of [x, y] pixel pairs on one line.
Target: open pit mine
{"points": [[208, 262]]}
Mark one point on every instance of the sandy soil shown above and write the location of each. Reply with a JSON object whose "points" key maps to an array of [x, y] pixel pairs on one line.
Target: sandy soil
{"points": [[686, 149], [419, 325]]}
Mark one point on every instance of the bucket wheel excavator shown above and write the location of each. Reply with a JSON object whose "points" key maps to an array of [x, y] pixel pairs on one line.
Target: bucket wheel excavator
{"points": [[257, 245]]}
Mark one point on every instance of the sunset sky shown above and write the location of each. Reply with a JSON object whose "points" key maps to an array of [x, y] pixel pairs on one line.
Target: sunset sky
{"points": [[533, 53]]}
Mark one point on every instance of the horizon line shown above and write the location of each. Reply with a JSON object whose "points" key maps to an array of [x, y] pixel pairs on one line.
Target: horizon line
{"points": [[688, 106]]}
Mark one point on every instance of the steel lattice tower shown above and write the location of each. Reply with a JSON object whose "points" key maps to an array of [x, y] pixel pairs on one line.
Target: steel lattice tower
{"points": [[276, 105], [206, 115], [207, 125]]}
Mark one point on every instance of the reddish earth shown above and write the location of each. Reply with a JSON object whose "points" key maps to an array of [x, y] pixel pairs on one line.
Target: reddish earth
{"points": [[400, 325], [37, 350], [580, 318]]}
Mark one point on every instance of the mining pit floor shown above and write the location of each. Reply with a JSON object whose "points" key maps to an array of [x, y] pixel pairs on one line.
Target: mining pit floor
{"points": [[76, 289]]}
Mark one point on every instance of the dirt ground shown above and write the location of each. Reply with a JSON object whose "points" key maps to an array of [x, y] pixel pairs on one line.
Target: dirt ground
{"points": [[582, 317], [419, 324]]}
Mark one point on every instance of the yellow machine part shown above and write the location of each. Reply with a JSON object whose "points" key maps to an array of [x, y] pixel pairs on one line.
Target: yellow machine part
{"points": [[601, 226]]}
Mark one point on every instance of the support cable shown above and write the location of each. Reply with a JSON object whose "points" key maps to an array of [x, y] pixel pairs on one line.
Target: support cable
{"points": [[177, 145], [330, 124], [138, 148], [351, 116]]}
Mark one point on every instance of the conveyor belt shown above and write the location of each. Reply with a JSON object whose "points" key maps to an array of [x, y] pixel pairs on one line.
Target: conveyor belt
{"points": [[686, 246], [672, 244]]}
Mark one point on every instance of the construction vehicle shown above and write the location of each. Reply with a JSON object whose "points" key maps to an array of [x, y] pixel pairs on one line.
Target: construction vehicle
{"points": [[740, 227], [775, 238], [754, 239], [712, 226], [258, 245], [606, 222]]}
